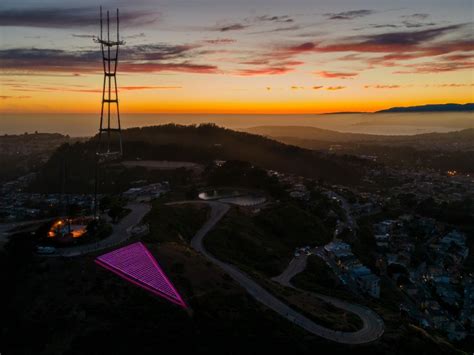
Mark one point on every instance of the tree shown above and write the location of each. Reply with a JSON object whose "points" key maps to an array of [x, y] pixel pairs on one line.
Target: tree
{"points": [[105, 203], [115, 211]]}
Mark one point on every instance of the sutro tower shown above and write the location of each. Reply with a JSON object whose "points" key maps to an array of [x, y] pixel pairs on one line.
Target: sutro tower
{"points": [[110, 102], [109, 145]]}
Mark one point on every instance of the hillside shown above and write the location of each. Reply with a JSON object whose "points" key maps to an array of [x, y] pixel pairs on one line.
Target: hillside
{"points": [[203, 144], [439, 151], [432, 108]]}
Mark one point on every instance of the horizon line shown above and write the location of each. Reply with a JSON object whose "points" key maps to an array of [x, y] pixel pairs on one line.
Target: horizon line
{"points": [[241, 113]]}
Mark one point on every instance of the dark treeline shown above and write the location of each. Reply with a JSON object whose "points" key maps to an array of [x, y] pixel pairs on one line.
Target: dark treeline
{"points": [[203, 144]]}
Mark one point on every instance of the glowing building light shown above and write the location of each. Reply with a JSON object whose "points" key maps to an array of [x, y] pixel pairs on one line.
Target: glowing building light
{"points": [[134, 263]]}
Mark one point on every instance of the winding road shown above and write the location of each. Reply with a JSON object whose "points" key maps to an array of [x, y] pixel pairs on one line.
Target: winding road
{"points": [[120, 233], [373, 326]]}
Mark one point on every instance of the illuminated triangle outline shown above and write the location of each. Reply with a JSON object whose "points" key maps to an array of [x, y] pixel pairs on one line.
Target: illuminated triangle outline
{"points": [[130, 261]]}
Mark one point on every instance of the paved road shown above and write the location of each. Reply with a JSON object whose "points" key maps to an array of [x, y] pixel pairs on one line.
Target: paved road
{"points": [[6, 228], [350, 221], [370, 331], [348, 281], [120, 233], [296, 265], [373, 325]]}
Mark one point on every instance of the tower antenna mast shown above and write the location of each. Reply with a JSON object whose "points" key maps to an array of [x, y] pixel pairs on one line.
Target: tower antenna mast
{"points": [[109, 131]]}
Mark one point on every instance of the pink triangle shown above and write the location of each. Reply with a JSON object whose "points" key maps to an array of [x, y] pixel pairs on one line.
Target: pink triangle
{"points": [[135, 264]]}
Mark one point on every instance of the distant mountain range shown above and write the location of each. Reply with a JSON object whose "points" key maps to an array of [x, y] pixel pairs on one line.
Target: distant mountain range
{"points": [[431, 108], [438, 151], [317, 138]]}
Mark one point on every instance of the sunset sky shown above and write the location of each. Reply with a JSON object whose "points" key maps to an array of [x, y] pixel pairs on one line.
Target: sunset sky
{"points": [[239, 56]]}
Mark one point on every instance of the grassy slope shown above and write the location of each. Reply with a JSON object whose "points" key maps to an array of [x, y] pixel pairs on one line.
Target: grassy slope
{"points": [[244, 242], [265, 242], [72, 306]]}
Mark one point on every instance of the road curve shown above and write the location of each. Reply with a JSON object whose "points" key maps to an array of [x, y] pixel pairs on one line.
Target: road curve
{"points": [[296, 265], [373, 325], [120, 233]]}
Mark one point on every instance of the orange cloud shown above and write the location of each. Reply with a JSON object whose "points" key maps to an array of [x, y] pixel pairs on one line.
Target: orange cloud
{"points": [[264, 71], [336, 75], [7, 97], [132, 88], [382, 86]]}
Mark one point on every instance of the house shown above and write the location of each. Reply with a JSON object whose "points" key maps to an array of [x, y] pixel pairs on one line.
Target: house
{"points": [[366, 280]]}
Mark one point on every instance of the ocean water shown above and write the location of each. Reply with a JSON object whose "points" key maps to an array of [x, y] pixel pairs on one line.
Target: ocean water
{"points": [[81, 125]]}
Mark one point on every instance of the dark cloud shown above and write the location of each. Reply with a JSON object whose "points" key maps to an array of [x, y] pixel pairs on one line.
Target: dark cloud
{"points": [[269, 64], [410, 24], [301, 48], [436, 67], [142, 58], [281, 19], [409, 37], [349, 15], [334, 88], [416, 20], [417, 16], [232, 27], [252, 22], [384, 49], [47, 60], [397, 43], [69, 18], [83, 36], [409, 21], [279, 29], [384, 26], [220, 41], [156, 52]]}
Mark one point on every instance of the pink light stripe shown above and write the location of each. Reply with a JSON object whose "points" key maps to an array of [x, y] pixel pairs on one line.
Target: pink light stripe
{"points": [[135, 264], [160, 270], [137, 283], [107, 258]]}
